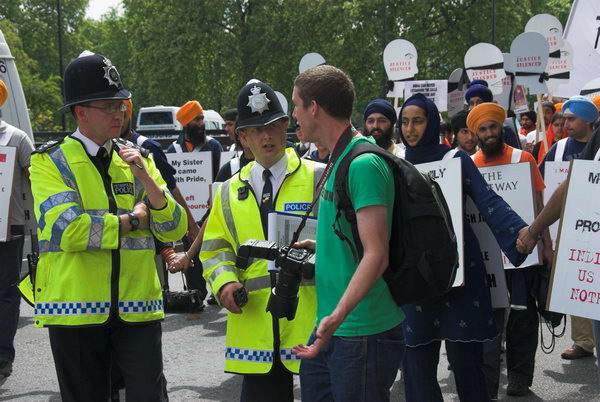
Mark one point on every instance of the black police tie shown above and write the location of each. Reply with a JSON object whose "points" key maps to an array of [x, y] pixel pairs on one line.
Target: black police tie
{"points": [[266, 201], [102, 156]]}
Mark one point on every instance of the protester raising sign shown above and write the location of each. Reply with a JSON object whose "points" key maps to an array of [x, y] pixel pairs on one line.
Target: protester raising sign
{"points": [[194, 174], [7, 168], [512, 182], [576, 270]]}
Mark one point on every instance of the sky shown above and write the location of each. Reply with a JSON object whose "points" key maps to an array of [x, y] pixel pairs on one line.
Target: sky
{"points": [[98, 7]]}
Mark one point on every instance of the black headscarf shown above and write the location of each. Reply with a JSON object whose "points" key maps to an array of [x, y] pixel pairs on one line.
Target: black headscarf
{"points": [[428, 149]]}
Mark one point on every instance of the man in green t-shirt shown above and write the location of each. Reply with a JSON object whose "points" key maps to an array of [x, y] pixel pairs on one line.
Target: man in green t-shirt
{"points": [[356, 348]]}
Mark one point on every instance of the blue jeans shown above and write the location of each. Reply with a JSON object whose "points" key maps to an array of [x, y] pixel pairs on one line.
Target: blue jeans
{"points": [[11, 253], [353, 368]]}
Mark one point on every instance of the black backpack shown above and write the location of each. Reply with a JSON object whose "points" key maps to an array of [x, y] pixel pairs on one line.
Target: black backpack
{"points": [[423, 253]]}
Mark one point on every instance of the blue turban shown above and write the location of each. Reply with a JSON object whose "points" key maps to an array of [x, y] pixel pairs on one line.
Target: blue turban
{"points": [[381, 106], [581, 107], [480, 91], [479, 82]]}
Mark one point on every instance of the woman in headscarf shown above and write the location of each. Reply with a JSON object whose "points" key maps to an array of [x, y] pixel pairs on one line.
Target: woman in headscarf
{"points": [[556, 131], [463, 317]]}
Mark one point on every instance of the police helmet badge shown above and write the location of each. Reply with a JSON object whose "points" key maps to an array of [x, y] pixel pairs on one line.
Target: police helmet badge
{"points": [[111, 74], [258, 102]]}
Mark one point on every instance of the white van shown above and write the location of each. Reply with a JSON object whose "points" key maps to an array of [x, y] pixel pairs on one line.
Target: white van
{"points": [[162, 119]]}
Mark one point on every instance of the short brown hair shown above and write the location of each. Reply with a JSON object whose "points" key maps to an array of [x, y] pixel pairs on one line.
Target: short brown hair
{"points": [[330, 87]]}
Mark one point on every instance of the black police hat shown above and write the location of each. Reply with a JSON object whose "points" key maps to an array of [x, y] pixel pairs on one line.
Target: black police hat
{"points": [[258, 106], [92, 77]]}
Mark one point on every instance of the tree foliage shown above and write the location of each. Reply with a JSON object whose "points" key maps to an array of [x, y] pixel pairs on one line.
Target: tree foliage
{"points": [[171, 51]]}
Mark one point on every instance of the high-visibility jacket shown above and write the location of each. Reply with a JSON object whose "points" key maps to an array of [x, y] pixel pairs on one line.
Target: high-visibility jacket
{"points": [[87, 269], [234, 219]]}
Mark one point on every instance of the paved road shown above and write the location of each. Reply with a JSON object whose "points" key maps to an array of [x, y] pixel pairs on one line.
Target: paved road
{"points": [[193, 353]]}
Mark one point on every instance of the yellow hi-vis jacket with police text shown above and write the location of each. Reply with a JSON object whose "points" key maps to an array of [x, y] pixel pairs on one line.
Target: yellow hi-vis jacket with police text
{"points": [[86, 268], [233, 221]]}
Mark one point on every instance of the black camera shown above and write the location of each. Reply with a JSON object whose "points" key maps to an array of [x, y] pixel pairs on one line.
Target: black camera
{"points": [[294, 264]]}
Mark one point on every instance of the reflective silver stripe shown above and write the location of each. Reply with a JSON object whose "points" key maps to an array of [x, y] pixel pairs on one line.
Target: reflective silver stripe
{"points": [[61, 224], [58, 157], [72, 308], [140, 306], [264, 282], [223, 256], [318, 172], [597, 156], [227, 214], [249, 355], [140, 243], [98, 212], [139, 189], [258, 283], [287, 355], [64, 197], [220, 270], [168, 225], [215, 244], [96, 230]]}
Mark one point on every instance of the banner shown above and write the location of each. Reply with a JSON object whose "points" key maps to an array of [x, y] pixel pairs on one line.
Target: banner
{"points": [[554, 174], [582, 32], [492, 257], [435, 90], [7, 170], [194, 174], [512, 182], [448, 174], [576, 270]]}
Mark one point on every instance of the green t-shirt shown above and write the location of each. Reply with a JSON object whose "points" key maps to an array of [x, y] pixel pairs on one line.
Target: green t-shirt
{"points": [[370, 182]]}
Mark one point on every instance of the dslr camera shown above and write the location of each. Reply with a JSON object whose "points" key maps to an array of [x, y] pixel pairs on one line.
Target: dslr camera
{"points": [[294, 264]]}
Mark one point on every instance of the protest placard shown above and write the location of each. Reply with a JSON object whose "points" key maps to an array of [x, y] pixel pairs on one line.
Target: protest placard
{"points": [[484, 61], [400, 63], [529, 52], [448, 174], [194, 174], [554, 174], [492, 257], [591, 88], [457, 86], [310, 60], [576, 270], [435, 90], [512, 182], [7, 169]]}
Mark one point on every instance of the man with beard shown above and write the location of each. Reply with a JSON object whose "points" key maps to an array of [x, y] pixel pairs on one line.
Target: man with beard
{"points": [[527, 120], [380, 118], [486, 120], [580, 114], [194, 138], [230, 118], [549, 110], [463, 137]]}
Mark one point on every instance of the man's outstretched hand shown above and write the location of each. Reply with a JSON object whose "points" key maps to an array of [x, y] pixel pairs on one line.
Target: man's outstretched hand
{"points": [[326, 329]]}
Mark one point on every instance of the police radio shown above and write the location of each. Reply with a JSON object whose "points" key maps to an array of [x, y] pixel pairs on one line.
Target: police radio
{"points": [[121, 143]]}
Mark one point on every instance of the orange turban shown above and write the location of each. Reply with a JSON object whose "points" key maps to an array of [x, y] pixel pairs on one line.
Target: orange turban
{"points": [[596, 101], [3, 92], [189, 111], [558, 107], [129, 110], [485, 112]]}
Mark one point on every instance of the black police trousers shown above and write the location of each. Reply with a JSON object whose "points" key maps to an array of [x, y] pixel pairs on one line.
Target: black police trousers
{"points": [[82, 357]]}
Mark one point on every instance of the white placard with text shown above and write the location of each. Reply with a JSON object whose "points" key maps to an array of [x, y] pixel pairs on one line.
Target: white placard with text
{"points": [[193, 175], [7, 169], [576, 270], [554, 174], [448, 174]]}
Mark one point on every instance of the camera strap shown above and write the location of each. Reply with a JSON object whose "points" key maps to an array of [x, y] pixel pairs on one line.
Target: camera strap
{"points": [[339, 148]]}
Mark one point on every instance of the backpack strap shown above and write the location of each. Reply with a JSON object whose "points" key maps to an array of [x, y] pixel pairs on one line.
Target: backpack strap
{"points": [[560, 149], [343, 201]]}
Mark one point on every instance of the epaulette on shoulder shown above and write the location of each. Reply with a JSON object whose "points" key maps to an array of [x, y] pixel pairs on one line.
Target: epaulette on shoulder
{"points": [[45, 147]]}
